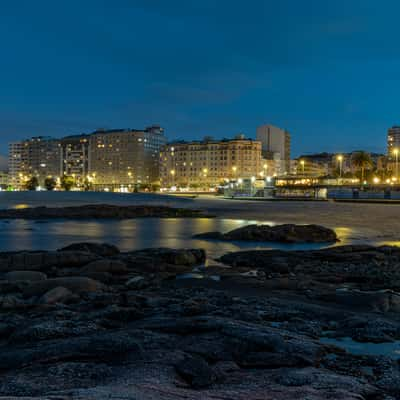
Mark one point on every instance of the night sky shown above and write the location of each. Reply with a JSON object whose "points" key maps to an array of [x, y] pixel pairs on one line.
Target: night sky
{"points": [[328, 71]]}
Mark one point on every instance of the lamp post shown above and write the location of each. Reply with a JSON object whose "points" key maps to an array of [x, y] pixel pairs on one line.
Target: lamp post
{"points": [[205, 170], [234, 169], [302, 162], [265, 166], [396, 154], [172, 172], [340, 159]]}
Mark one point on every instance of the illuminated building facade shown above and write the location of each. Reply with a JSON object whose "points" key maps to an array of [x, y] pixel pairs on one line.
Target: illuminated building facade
{"points": [[125, 157], [109, 159], [209, 162], [75, 157], [38, 157], [393, 140]]}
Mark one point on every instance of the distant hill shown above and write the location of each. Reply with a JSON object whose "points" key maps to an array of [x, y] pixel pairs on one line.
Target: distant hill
{"points": [[3, 163]]}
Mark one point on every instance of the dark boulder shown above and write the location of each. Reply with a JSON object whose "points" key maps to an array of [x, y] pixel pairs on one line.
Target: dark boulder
{"points": [[287, 233], [196, 372], [157, 259], [100, 249]]}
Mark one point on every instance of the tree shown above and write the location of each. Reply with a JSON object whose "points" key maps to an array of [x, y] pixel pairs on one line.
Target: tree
{"points": [[67, 182], [32, 183], [155, 187], [50, 183], [362, 161]]}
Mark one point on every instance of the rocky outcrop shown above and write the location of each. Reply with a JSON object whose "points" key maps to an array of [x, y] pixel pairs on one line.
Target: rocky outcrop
{"points": [[100, 249], [73, 283], [15, 276], [259, 331], [57, 295], [287, 233], [360, 267], [101, 211]]}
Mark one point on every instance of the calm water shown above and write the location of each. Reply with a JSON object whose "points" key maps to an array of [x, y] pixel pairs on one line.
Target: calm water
{"points": [[390, 349], [127, 234], [354, 223]]}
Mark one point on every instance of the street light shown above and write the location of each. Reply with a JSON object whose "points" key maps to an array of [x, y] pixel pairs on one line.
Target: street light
{"points": [[340, 159], [396, 154], [234, 169], [172, 172], [302, 162]]}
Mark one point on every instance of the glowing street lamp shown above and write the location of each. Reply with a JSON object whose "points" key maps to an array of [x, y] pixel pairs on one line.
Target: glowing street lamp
{"points": [[265, 166], [396, 154], [340, 159], [234, 169], [302, 162]]}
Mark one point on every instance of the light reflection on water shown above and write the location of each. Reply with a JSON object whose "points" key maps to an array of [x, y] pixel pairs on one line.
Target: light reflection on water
{"points": [[131, 234]]}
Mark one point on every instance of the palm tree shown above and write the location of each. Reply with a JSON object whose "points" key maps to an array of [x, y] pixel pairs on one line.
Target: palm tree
{"points": [[361, 160]]}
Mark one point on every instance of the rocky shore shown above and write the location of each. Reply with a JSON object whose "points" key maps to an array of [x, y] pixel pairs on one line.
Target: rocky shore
{"points": [[90, 322], [101, 211]]}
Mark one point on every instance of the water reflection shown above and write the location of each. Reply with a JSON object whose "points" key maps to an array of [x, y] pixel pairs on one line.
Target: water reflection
{"points": [[390, 349], [129, 234]]}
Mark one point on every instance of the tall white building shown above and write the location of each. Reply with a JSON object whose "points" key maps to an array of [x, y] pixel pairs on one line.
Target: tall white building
{"points": [[275, 146], [15, 162], [393, 140]]}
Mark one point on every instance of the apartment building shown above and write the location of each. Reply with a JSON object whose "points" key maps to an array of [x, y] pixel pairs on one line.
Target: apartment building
{"points": [[125, 157], [210, 162], [275, 147]]}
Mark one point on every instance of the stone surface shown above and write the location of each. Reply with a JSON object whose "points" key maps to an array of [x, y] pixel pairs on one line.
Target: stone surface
{"points": [[196, 372], [110, 266], [74, 284], [100, 211], [100, 249], [287, 233], [24, 276], [57, 295], [259, 332]]}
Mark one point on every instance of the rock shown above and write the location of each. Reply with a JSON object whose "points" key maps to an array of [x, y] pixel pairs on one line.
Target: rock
{"points": [[43, 260], [268, 360], [196, 372], [102, 347], [182, 256], [6, 330], [103, 211], [336, 384], [100, 249], [137, 283], [210, 235], [377, 301], [57, 295], [287, 233], [50, 330], [11, 301], [24, 276], [163, 259], [74, 284], [103, 277], [110, 266]]}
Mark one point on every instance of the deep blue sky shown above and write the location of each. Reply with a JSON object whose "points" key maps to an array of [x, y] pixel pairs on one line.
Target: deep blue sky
{"points": [[328, 71]]}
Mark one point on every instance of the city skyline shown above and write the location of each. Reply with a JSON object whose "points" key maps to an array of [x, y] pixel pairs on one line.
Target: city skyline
{"points": [[202, 70]]}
